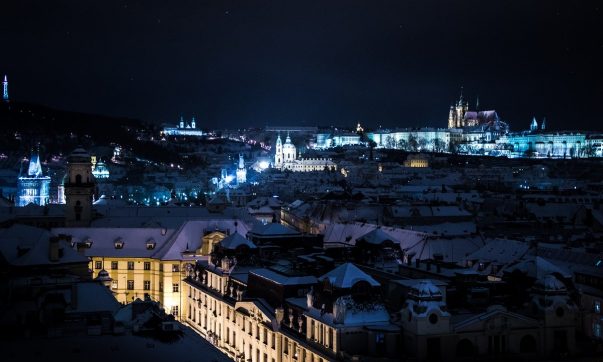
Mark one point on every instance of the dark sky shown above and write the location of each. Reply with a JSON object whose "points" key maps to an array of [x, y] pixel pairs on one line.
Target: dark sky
{"points": [[252, 63]]}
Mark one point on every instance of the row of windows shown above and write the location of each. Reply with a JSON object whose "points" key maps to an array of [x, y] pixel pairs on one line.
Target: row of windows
{"points": [[146, 285], [130, 266]]}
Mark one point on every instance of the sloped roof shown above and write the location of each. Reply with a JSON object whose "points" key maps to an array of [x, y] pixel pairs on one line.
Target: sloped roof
{"points": [[376, 237], [273, 229], [235, 240], [37, 243], [346, 275]]}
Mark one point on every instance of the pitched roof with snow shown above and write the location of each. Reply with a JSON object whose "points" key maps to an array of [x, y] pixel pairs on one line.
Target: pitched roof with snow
{"points": [[235, 240], [376, 237], [346, 275], [273, 230], [22, 245]]}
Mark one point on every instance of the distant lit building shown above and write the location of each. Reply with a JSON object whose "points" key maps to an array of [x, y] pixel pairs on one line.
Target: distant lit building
{"points": [[241, 171], [285, 159], [183, 129], [5, 89], [337, 138], [33, 187], [100, 171], [420, 160]]}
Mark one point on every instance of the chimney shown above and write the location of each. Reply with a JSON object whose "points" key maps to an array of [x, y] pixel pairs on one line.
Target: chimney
{"points": [[53, 250]]}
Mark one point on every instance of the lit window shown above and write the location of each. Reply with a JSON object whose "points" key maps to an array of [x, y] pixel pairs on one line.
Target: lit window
{"points": [[147, 285], [598, 306]]}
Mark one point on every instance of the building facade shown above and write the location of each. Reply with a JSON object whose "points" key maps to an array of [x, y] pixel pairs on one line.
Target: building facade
{"points": [[183, 129], [33, 187], [285, 158]]}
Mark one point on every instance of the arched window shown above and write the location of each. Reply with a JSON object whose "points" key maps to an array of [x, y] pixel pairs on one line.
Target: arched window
{"points": [[527, 344], [78, 179]]}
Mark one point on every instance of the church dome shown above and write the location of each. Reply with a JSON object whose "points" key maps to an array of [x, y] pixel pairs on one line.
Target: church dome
{"points": [[426, 290], [550, 284], [79, 155]]}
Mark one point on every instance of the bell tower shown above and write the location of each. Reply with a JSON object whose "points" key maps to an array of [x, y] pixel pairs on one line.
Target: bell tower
{"points": [[79, 189]]}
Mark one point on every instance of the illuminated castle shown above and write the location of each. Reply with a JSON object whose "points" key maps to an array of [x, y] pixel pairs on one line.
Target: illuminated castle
{"points": [[183, 129], [34, 187], [285, 159]]}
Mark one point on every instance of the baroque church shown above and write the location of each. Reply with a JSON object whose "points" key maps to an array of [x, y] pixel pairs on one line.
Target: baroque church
{"points": [[285, 158]]}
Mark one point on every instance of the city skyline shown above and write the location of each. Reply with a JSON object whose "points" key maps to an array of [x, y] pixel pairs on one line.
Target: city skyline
{"points": [[237, 65]]}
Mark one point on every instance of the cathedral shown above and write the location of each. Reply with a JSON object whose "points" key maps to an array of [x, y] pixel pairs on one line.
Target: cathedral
{"points": [[285, 158], [33, 187]]}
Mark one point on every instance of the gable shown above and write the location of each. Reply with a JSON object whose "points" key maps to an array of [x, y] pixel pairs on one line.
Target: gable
{"points": [[495, 322]]}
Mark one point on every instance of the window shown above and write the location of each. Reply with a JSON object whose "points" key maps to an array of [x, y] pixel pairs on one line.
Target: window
{"points": [[175, 287], [597, 306], [175, 267], [161, 286], [119, 244], [130, 265], [147, 285], [98, 264], [147, 265], [114, 265], [130, 285], [150, 244], [114, 284], [175, 311]]}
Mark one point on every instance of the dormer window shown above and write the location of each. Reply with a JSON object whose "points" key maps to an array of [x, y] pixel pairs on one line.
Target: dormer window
{"points": [[150, 244], [119, 244], [88, 243]]}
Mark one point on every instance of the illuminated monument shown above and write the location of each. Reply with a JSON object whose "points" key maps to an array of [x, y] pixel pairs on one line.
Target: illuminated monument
{"points": [[34, 187], [183, 129], [241, 171], [285, 159], [5, 89]]}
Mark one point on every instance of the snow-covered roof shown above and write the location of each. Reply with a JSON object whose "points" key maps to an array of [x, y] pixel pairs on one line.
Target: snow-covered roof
{"points": [[93, 297], [169, 243], [501, 251], [376, 237], [273, 230], [349, 233], [537, 267], [103, 240], [346, 275], [235, 240], [34, 245]]}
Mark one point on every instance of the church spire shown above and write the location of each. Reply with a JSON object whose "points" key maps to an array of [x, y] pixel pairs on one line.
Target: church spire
{"points": [[5, 89]]}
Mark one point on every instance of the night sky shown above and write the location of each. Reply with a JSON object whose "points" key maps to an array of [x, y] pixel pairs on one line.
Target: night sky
{"points": [[236, 64]]}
